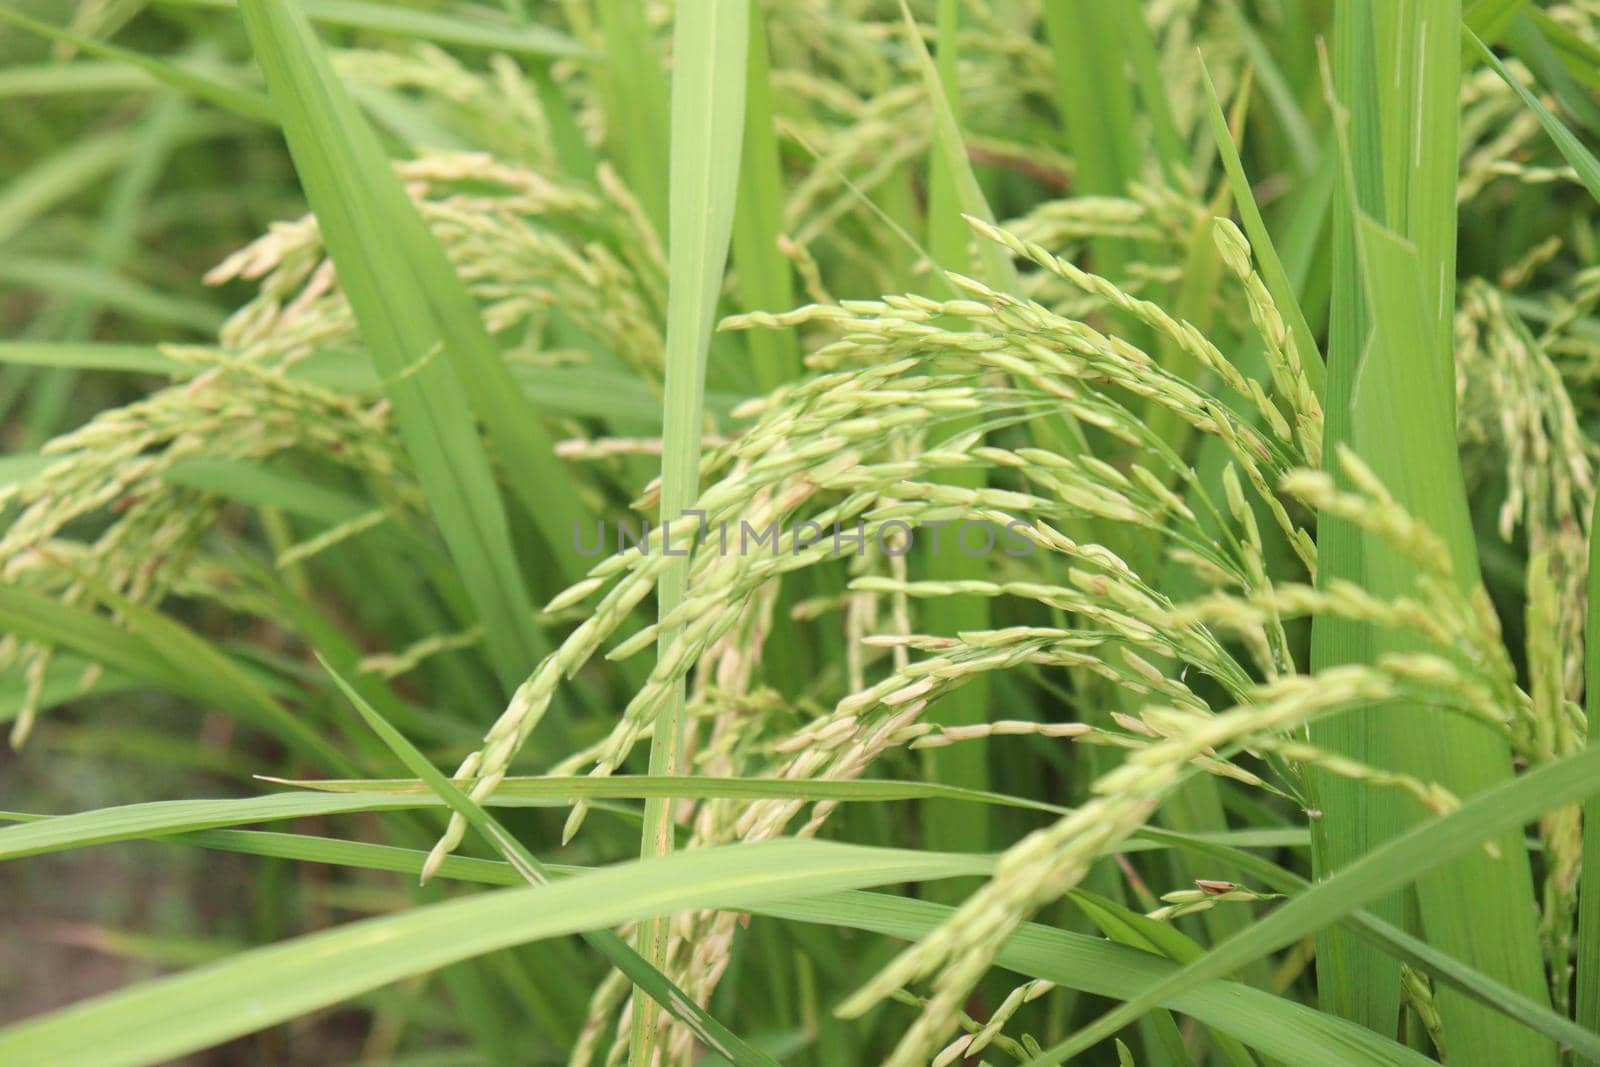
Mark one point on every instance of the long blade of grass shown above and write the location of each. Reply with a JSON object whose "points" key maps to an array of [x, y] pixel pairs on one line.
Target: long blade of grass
{"points": [[1567, 143], [441, 27], [161, 818], [1391, 396], [1531, 46], [709, 75], [84, 76], [410, 304], [367, 183], [1289, 1032], [158, 1021], [385, 857], [1579, 56], [1403, 423], [1484, 818], [855, 791], [1448, 971], [72, 278], [702, 788], [1353, 980], [1403, 947], [580, 391], [409, 861], [234, 98], [91, 355]]}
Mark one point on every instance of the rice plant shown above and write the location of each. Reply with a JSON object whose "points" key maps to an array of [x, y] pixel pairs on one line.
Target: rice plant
{"points": [[956, 532]]}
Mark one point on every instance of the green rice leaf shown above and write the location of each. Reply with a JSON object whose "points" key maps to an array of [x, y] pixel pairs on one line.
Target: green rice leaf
{"points": [[1391, 397], [1579, 56], [91, 355], [229, 97], [45, 834], [1531, 46], [1291, 1033], [442, 27], [1571, 149], [157, 1021], [408, 861], [709, 76], [162, 818], [70, 279], [413, 309], [704, 787], [1353, 979], [84, 76], [266, 487]]}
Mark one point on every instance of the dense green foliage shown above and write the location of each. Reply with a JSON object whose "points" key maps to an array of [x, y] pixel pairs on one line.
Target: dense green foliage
{"points": [[942, 532]]}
